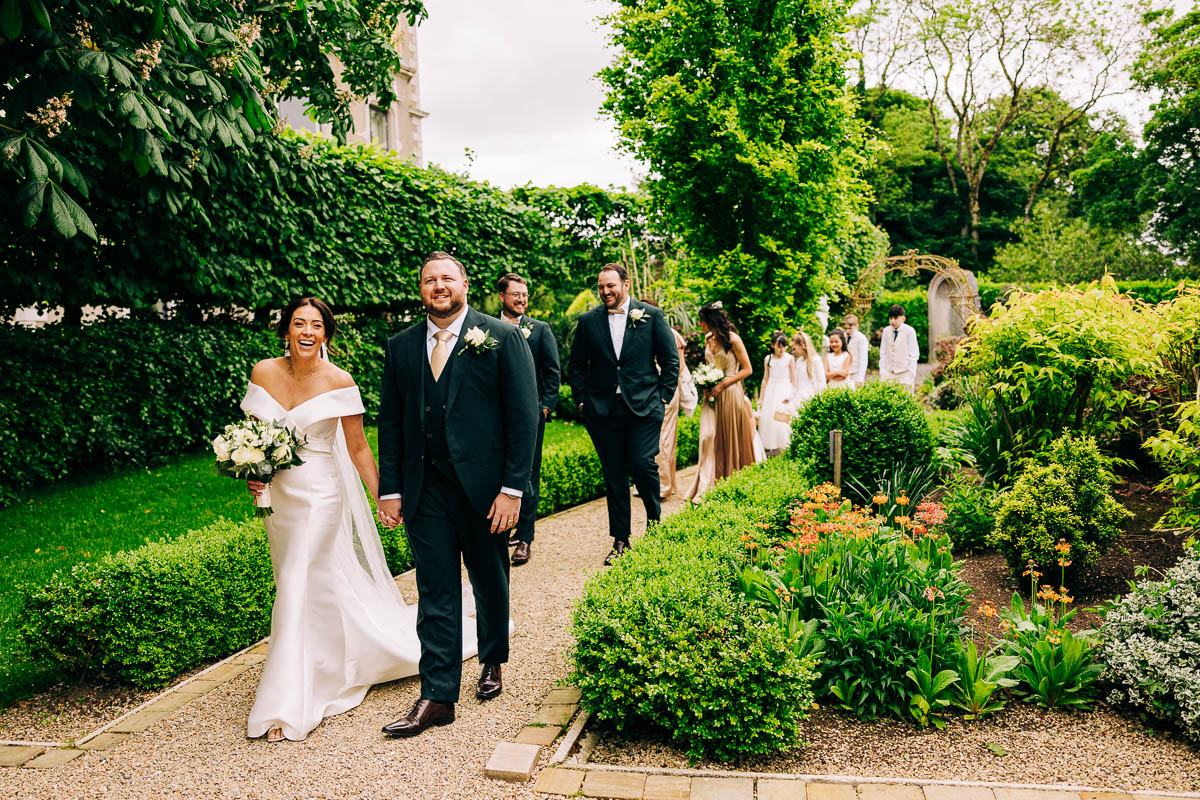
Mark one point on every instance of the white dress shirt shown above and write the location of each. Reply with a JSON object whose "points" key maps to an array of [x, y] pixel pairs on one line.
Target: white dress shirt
{"points": [[616, 327], [455, 329], [859, 348]]}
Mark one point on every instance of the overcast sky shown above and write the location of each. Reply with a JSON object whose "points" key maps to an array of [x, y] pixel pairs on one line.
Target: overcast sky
{"points": [[514, 81]]}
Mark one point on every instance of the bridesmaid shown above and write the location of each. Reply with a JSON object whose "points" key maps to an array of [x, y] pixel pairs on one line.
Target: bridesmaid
{"points": [[838, 361], [726, 425]]}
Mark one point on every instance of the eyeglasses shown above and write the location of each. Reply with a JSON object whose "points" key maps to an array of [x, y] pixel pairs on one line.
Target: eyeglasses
{"points": [[515, 296]]}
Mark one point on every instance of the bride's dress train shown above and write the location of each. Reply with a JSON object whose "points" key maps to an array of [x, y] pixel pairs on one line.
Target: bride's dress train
{"points": [[339, 624]]}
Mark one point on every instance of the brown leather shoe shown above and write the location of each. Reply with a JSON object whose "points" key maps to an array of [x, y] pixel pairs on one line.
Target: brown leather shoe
{"points": [[521, 554], [424, 714], [620, 548], [489, 682]]}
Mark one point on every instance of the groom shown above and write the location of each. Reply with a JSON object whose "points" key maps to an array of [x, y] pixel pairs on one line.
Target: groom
{"points": [[457, 422], [624, 367]]}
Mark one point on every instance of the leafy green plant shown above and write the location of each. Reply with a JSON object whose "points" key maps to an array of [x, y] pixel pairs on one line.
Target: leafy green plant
{"points": [[1068, 499], [1178, 451], [881, 425], [970, 512], [978, 679], [913, 482], [932, 696], [1058, 671]]}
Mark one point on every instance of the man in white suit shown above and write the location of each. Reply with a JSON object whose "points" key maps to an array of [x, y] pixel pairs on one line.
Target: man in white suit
{"points": [[859, 349], [898, 351]]}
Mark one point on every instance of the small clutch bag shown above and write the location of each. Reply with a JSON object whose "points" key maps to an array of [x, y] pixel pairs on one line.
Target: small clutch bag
{"points": [[783, 416]]}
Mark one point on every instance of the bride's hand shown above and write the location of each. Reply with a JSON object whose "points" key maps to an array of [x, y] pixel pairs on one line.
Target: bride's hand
{"points": [[255, 487], [391, 512]]}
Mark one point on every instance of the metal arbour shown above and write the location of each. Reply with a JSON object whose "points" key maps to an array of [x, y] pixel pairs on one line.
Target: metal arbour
{"points": [[961, 293]]}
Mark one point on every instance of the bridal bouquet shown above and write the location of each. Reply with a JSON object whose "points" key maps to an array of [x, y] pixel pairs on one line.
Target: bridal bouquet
{"points": [[256, 450], [706, 376]]}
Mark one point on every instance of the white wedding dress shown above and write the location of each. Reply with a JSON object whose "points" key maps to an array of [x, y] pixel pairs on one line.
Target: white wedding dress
{"points": [[339, 624]]}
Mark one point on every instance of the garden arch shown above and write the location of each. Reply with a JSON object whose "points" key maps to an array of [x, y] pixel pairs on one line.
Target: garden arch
{"points": [[953, 291]]}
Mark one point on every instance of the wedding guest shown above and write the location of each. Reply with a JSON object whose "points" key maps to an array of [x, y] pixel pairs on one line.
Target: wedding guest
{"points": [[898, 351], [810, 371], [514, 301], [838, 361], [779, 379], [726, 425], [859, 347]]}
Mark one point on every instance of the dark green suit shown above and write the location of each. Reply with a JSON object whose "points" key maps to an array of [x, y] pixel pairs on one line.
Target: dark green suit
{"points": [[447, 447], [625, 426], [545, 362]]}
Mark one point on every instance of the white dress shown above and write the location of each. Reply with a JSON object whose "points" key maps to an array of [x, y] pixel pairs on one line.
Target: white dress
{"points": [[838, 361], [807, 386], [339, 624], [775, 434]]}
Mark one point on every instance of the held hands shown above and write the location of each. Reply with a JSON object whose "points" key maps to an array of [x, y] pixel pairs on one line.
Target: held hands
{"points": [[256, 487], [504, 512], [391, 512]]}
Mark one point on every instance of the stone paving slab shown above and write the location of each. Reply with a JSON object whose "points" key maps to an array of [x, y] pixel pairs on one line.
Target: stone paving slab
{"points": [[668, 787], [55, 757], [1003, 793], [722, 789], [104, 741], [171, 702], [136, 723], [890, 791], [832, 791], [614, 785], [512, 762], [15, 755], [958, 793], [542, 736], [563, 696], [555, 780], [555, 715], [1106, 796], [779, 789]]}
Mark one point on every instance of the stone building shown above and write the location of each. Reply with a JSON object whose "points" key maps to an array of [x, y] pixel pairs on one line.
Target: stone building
{"points": [[396, 127]]}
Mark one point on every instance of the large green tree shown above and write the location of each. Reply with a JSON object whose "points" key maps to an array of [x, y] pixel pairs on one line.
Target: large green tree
{"points": [[146, 99], [741, 112]]}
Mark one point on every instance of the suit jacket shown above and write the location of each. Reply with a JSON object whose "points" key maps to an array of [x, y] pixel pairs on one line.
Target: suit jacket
{"points": [[545, 359], [595, 371], [491, 413]]}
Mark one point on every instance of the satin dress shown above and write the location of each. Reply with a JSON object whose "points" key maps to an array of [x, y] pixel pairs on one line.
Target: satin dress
{"points": [[339, 624], [726, 428]]}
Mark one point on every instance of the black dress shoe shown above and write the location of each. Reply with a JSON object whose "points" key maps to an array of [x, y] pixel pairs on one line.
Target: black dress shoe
{"points": [[489, 682], [513, 541], [620, 548], [424, 714], [521, 554]]}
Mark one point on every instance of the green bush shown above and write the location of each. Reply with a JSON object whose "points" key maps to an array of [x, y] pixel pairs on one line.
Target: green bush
{"points": [[1150, 646], [146, 615], [970, 514], [881, 425], [663, 641], [1067, 498]]}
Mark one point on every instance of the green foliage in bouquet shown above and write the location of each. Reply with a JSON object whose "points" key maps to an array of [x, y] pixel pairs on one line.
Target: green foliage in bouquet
{"points": [[1067, 499], [881, 425]]}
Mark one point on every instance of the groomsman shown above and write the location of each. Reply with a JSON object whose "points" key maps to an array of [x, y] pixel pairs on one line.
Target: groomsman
{"points": [[898, 351], [623, 372], [859, 349], [514, 297]]}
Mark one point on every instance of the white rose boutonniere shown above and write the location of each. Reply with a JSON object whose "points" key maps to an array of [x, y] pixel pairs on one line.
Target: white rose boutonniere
{"points": [[636, 317], [526, 329], [477, 340]]}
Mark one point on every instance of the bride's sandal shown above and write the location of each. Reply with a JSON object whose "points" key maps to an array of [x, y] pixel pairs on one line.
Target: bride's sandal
{"points": [[275, 735]]}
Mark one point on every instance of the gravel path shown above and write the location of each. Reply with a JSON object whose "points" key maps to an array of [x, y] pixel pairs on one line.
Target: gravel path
{"points": [[202, 751]]}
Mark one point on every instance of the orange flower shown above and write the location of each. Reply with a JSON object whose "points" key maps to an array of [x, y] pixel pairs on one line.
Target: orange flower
{"points": [[1062, 547], [880, 499], [902, 500], [987, 609]]}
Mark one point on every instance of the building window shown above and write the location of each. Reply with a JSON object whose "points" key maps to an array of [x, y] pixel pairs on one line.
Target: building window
{"points": [[379, 126]]}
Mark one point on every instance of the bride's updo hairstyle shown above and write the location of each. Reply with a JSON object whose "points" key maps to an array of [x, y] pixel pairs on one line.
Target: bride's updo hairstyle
{"points": [[717, 320], [285, 317]]}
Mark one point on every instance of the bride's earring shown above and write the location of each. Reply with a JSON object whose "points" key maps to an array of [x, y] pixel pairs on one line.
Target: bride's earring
{"points": [[287, 347], [324, 352]]}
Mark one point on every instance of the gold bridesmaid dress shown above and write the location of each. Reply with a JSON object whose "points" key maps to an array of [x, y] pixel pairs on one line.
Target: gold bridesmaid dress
{"points": [[726, 428]]}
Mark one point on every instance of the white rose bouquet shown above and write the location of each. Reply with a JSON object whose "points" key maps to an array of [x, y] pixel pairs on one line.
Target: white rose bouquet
{"points": [[256, 450], [706, 376]]}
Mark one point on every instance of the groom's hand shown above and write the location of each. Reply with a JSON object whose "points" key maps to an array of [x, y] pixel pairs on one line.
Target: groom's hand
{"points": [[391, 512], [504, 512]]}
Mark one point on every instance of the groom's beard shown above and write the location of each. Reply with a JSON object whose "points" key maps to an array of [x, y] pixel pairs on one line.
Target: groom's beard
{"points": [[456, 305]]}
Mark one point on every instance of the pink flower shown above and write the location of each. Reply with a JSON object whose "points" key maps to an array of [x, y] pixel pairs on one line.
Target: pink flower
{"points": [[933, 593]]}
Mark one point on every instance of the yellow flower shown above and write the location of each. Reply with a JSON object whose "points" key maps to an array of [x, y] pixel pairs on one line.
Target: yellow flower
{"points": [[902, 500]]}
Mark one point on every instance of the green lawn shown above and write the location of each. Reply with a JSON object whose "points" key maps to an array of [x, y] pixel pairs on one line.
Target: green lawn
{"points": [[66, 524]]}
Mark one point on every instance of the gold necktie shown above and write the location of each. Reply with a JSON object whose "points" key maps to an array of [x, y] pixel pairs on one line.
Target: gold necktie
{"points": [[440, 354]]}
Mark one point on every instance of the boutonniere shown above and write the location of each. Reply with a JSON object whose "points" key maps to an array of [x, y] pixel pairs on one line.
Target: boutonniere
{"points": [[636, 317], [478, 341], [526, 329]]}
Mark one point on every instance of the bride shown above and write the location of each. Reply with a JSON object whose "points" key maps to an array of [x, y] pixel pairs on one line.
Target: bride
{"points": [[338, 625]]}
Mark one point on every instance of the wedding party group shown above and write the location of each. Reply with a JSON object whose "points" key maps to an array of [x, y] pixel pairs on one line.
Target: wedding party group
{"points": [[463, 407]]}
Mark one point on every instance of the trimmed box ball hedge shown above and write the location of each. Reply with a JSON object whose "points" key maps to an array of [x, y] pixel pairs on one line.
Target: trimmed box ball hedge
{"points": [[664, 641], [881, 424]]}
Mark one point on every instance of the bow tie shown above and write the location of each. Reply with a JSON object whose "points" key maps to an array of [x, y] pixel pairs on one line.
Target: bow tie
{"points": [[616, 311]]}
